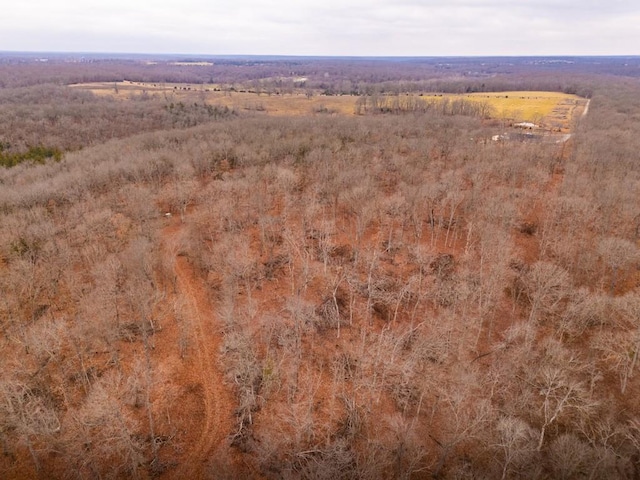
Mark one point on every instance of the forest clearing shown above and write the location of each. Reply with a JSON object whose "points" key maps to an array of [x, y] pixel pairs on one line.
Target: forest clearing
{"points": [[551, 110]]}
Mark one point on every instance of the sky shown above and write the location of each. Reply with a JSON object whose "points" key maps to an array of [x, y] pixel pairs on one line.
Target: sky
{"points": [[324, 27]]}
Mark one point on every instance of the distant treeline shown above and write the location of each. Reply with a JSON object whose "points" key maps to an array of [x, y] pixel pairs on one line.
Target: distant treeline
{"points": [[331, 76]]}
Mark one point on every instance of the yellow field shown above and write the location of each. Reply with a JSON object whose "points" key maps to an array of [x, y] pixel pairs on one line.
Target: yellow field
{"points": [[297, 103], [287, 104], [549, 110], [537, 107]]}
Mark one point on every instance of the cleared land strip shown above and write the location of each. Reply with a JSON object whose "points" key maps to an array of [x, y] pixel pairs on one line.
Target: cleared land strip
{"points": [[217, 399]]}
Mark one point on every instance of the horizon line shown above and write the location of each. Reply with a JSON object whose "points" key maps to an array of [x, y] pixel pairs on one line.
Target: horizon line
{"points": [[284, 56]]}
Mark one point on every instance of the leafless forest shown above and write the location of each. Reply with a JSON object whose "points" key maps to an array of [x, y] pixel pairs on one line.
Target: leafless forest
{"points": [[192, 291]]}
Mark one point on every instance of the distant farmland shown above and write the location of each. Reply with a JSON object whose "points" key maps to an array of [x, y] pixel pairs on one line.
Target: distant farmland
{"points": [[551, 110]]}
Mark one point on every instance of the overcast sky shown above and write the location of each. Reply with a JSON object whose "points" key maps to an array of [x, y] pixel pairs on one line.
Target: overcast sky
{"points": [[324, 27]]}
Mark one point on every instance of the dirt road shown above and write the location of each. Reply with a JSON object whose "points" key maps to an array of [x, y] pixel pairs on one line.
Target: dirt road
{"points": [[211, 444]]}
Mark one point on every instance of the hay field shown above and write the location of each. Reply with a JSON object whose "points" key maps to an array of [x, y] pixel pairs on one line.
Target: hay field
{"points": [[548, 109], [551, 110], [296, 103]]}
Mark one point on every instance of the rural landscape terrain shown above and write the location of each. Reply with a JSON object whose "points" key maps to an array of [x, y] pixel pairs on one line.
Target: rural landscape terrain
{"points": [[319, 268]]}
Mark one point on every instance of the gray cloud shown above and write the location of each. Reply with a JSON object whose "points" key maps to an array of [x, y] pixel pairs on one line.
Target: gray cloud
{"points": [[332, 27]]}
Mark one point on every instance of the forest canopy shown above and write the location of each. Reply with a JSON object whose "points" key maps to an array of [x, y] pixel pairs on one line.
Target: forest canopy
{"points": [[246, 288]]}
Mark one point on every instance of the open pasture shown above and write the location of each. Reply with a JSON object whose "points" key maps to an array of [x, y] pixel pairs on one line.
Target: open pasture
{"points": [[298, 102], [550, 110]]}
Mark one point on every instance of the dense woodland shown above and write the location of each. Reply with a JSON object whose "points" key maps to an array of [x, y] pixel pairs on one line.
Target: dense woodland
{"points": [[218, 294]]}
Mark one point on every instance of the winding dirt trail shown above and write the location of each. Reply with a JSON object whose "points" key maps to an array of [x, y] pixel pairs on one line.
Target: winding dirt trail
{"points": [[210, 444]]}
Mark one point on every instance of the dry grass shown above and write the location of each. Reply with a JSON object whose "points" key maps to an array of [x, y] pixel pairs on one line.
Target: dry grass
{"points": [[536, 107], [287, 104], [549, 109], [296, 103]]}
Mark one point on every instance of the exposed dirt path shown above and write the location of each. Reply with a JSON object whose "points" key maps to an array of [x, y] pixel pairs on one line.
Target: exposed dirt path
{"points": [[210, 444], [586, 109]]}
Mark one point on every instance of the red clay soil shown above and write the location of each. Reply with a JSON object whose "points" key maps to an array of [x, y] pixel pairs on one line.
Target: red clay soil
{"points": [[214, 408]]}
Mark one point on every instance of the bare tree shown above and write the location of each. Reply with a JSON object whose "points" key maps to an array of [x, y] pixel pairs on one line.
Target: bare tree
{"points": [[557, 390], [462, 419], [33, 421], [620, 348], [101, 437], [618, 255], [547, 285], [517, 444]]}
